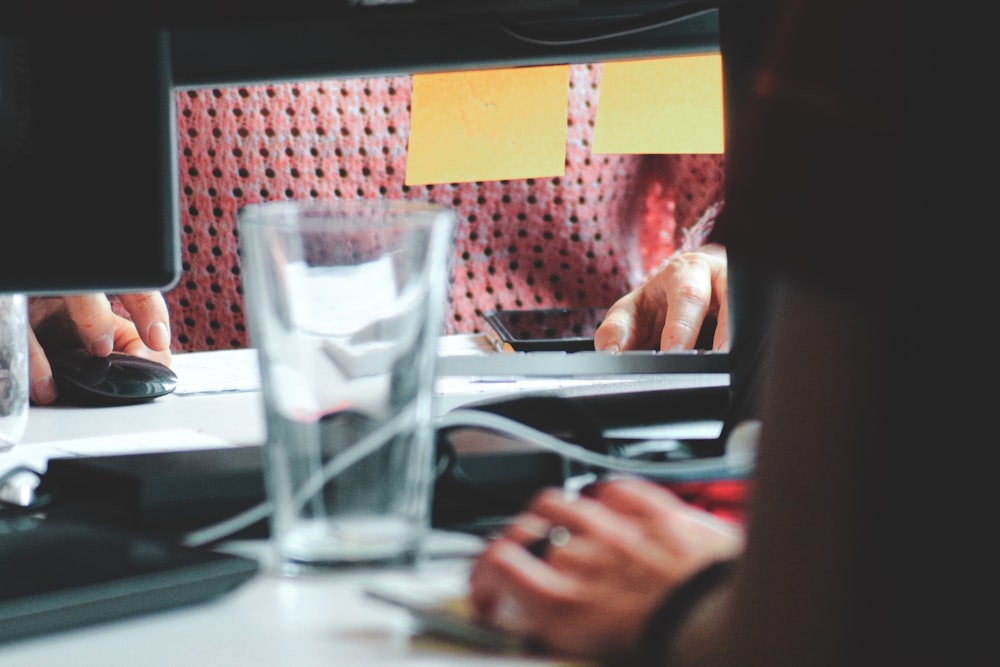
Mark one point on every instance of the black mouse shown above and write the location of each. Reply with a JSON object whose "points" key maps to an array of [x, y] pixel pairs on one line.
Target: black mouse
{"points": [[118, 379]]}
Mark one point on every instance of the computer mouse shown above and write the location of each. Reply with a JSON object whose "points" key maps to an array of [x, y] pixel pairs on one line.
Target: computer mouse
{"points": [[118, 379]]}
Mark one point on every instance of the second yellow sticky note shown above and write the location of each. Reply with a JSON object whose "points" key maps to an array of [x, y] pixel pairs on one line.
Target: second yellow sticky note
{"points": [[661, 105], [488, 125]]}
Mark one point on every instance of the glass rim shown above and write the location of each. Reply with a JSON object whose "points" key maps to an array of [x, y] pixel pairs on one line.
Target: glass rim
{"points": [[349, 212]]}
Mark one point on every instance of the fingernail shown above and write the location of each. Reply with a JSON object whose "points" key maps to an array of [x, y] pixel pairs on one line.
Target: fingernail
{"points": [[159, 336], [43, 390], [614, 347], [103, 346]]}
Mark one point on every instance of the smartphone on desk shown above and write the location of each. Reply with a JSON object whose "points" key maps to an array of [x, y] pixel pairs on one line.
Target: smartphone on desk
{"points": [[443, 612], [544, 329]]}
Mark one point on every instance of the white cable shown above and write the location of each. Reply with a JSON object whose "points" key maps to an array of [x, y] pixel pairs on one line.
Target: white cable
{"points": [[364, 447], [608, 35], [736, 462]]}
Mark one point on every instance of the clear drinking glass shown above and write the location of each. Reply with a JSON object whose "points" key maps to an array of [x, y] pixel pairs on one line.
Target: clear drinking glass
{"points": [[345, 305], [14, 385]]}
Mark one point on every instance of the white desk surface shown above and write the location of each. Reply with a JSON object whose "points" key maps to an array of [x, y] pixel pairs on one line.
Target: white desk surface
{"points": [[324, 620], [271, 620]]}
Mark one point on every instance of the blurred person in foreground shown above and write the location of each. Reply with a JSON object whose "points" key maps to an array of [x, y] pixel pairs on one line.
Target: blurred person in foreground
{"points": [[848, 555]]}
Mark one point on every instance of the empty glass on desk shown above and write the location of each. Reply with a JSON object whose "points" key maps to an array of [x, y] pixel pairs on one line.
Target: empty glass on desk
{"points": [[14, 385], [345, 303]]}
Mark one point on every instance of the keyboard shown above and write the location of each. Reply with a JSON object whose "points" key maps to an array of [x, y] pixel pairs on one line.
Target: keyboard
{"points": [[58, 574]]}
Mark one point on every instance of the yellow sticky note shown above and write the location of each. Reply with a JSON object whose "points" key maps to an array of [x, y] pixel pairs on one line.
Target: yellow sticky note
{"points": [[662, 105], [488, 125]]}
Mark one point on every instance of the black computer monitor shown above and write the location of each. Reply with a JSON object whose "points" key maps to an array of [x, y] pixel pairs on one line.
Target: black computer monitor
{"points": [[88, 157], [86, 161]]}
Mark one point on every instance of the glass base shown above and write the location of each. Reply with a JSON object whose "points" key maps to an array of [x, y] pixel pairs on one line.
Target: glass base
{"points": [[354, 541]]}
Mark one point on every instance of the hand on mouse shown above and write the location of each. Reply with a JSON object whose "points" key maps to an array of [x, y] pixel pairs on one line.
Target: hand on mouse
{"points": [[89, 321]]}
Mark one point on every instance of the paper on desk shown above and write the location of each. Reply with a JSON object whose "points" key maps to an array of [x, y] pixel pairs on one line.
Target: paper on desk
{"points": [[36, 456], [216, 372], [223, 371], [451, 392]]}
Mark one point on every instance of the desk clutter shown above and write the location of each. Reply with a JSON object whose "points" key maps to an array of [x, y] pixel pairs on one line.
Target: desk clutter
{"points": [[185, 502], [487, 470]]}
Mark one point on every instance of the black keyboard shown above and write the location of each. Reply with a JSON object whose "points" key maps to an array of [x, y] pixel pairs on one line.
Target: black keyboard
{"points": [[57, 575]]}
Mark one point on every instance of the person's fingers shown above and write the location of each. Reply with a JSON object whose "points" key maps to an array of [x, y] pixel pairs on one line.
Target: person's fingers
{"points": [[42, 308], [43, 387], [635, 497], [527, 528], [148, 311], [587, 593], [631, 323], [128, 341], [617, 330], [688, 291], [668, 311], [651, 503], [583, 515], [94, 322], [633, 519], [720, 341], [720, 288], [89, 321], [503, 568]]}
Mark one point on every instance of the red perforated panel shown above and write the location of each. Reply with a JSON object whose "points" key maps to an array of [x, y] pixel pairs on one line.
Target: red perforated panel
{"points": [[581, 239]]}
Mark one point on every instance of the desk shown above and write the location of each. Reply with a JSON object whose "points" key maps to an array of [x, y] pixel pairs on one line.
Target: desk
{"points": [[272, 620]]}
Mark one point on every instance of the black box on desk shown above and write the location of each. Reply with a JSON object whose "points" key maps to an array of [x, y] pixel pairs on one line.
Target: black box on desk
{"points": [[485, 478], [161, 493], [169, 494]]}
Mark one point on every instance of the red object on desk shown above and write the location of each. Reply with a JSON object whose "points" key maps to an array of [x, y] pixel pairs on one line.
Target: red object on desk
{"points": [[725, 499]]}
